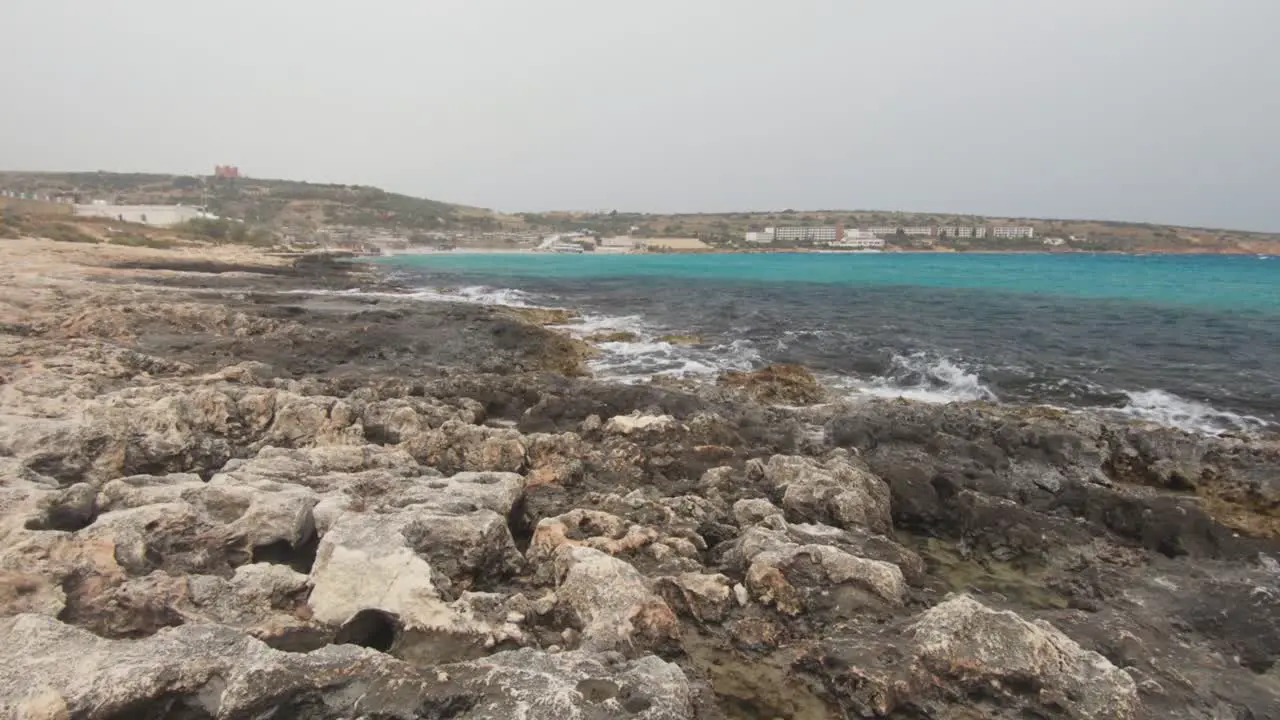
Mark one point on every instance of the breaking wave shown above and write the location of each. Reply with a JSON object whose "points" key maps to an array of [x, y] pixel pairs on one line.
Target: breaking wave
{"points": [[646, 354], [1165, 408], [892, 347]]}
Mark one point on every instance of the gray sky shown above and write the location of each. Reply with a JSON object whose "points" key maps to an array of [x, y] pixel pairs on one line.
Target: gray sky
{"points": [[1163, 110]]}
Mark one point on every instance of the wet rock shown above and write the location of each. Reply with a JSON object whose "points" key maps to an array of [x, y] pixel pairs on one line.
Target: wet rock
{"points": [[681, 339], [777, 384], [620, 336]]}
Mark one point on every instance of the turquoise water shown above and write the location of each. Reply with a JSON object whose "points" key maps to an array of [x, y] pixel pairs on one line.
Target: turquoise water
{"points": [[1192, 341], [1231, 282]]}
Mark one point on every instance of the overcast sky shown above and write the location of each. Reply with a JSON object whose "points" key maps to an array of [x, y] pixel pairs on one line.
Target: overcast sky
{"points": [[1162, 110]]}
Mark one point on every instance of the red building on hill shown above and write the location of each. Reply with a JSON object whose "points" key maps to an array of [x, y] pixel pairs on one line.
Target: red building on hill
{"points": [[226, 172]]}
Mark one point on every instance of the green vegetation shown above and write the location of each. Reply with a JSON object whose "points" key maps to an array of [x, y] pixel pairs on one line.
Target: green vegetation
{"points": [[263, 209], [14, 225], [222, 230], [133, 240]]}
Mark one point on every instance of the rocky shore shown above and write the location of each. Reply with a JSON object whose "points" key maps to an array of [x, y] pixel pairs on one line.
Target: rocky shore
{"points": [[224, 496]]}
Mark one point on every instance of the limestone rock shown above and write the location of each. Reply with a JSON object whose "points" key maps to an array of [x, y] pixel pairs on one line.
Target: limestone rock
{"points": [[749, 512], [265, 600], [69, 509], [456, 446], [837, 492], [640, 424], [210, 671], [968, 643], [703, 597], [610, 601], [555, 459], [810, 577], [575, 686], [57, 671], [789, 577]]}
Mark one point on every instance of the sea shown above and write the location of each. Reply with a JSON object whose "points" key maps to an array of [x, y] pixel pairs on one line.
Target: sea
{"points": [[1187, 341]]}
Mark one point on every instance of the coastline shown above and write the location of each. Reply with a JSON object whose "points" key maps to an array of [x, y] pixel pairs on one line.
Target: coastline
{"points": [[1226, 252], [220, 462]]}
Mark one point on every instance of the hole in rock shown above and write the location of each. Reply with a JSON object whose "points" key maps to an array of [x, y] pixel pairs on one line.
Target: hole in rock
{"points": [[447, 706], [170, 706], [62, 518], [281, 552], [373, 629], [520, 526], [597, 690], [65, 471], [298, 641], [380, 435]]}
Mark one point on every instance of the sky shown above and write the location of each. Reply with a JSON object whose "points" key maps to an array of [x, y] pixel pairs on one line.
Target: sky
{"points": [[1144, 110]]}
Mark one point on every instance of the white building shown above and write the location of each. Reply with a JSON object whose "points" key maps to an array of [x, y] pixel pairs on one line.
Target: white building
{"points": [[1010, 232], [959, 231], [760, 237], [913, 231], [826, 234], [619, 241], [157, 215], [619, 244]]}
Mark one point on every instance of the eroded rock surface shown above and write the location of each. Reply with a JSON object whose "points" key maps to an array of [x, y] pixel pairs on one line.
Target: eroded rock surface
{"points": [[218, 505]]}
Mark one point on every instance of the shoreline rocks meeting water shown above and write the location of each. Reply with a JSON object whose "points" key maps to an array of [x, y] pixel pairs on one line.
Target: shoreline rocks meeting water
{"points": [[224, 496]]}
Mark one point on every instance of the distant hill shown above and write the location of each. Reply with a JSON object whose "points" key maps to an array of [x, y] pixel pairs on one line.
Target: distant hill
{"points": [[277, 204], [300, 208], [1090, 235]]}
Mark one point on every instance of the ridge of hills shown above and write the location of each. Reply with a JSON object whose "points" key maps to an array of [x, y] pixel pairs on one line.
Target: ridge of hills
{"points": [[302, 209]]}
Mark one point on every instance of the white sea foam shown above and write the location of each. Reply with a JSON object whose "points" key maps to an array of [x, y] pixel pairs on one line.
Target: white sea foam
{"points": [[473, 294], [648, 357], [478, 295], [1165, 408], [925, 378], [921, 377]]}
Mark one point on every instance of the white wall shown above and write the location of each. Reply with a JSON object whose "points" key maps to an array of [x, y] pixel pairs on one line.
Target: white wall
{"points": [[158, 215]]}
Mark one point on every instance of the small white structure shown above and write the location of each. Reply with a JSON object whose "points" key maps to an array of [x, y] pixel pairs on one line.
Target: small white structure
{"points": [[566, 248], [620, 241], [156, 215], [1055, 242], [860, 240]]}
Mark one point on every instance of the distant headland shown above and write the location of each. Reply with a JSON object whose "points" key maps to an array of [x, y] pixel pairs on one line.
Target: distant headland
{"points": [[228, 206]]}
